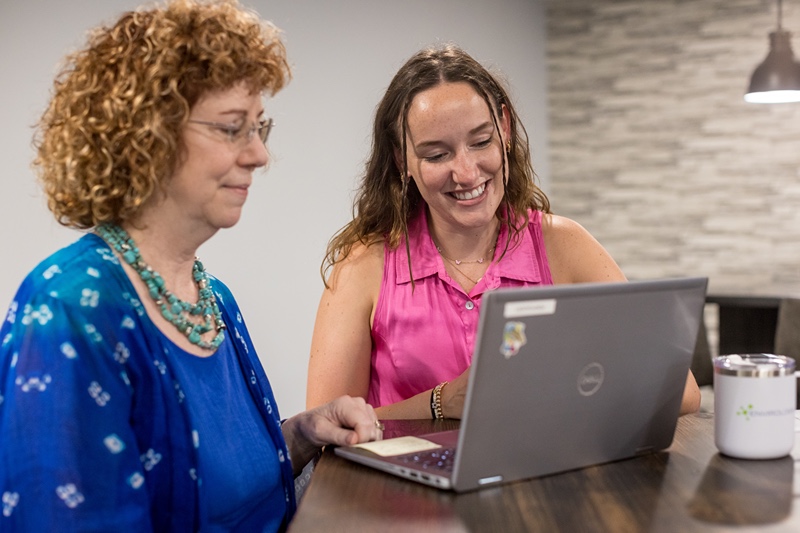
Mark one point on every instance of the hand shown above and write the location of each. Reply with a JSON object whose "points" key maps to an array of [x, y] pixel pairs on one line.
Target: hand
{"points": [[344, 421], [454, 394], [691, 396]]}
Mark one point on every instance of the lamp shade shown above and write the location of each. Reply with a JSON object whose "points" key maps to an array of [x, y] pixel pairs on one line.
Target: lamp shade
{"points": [[777, 78]]}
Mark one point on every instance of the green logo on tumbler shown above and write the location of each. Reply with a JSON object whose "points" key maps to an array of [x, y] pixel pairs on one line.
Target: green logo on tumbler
{"points": [[749, 412], [745, 411]]}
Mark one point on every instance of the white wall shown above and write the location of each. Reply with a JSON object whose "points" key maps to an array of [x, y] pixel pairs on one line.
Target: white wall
{"points": [[343, 55]]}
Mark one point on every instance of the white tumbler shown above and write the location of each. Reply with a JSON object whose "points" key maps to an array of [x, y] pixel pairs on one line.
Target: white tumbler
{"points": [[754, 405]]}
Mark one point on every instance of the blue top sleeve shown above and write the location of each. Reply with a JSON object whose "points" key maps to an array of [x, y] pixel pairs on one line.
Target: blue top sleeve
{"points": [[66, 441]]}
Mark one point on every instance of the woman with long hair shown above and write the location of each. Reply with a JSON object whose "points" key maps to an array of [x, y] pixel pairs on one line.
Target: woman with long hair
{"points": [[448, 208]]}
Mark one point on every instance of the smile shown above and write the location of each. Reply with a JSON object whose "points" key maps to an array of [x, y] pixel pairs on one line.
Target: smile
{"points": [[471, 194]]}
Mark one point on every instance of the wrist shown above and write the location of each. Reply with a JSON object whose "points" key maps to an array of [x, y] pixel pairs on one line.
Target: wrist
{"points": [[300, 446], [437, 411]]}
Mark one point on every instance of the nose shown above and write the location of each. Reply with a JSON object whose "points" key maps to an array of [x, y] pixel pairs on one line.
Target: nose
{"points": [[254, 153], [465, 168]]}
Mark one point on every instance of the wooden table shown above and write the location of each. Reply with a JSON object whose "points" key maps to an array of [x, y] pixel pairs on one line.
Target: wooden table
{"points": [[689, 487]]}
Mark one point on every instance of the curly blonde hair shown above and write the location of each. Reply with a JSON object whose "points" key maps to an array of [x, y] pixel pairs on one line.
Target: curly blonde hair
{"points": [[111, 134]]}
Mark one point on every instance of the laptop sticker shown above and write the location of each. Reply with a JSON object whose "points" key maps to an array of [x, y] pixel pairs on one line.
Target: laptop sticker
{"points": [[398, 446], [529, 308], [513, 338]]}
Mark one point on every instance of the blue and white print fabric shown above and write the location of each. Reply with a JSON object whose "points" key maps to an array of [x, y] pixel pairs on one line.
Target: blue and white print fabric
{"points": [[95, 433]]}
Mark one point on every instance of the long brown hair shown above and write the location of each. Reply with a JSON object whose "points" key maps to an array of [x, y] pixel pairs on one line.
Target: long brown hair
{"points": [[386, 199]]}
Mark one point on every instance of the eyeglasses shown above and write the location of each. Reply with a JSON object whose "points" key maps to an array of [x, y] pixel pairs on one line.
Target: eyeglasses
{"points": [[239, 135]]}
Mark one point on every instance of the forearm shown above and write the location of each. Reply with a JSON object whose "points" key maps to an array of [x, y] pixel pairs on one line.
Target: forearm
{"points": [[419, 406], [416, 407]]}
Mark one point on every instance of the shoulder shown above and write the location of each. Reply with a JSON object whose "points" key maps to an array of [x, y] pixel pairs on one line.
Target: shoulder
{"points": [[69, 273], [362, 267], [563, 235], [72, 303], [557, 227], [574, 254]]}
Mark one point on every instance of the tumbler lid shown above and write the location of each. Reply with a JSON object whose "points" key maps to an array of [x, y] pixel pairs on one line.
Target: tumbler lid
{"points": [[760, 365]]}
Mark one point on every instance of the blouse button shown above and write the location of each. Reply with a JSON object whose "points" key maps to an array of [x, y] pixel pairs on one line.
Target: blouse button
{"points": [[469, 305]]}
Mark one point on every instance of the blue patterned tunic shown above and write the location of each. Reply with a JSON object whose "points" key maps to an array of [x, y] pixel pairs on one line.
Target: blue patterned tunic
{"points": [[95, 432]]}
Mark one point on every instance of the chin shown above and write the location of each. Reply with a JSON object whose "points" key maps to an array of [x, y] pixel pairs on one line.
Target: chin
{"points": [[476, 221], [227, 221]]}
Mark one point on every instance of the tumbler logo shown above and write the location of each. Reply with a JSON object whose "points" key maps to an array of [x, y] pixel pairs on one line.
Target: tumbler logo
{"points": [[749, 412]]}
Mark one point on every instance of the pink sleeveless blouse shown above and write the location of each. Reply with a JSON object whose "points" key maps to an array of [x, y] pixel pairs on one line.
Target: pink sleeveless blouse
{"points": [[424, 337]]}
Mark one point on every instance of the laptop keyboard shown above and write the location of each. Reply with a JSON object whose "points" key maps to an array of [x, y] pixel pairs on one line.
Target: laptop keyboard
{"points": [[438, 459]]}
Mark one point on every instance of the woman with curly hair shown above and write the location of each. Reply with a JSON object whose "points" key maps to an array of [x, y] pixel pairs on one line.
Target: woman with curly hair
{"points": [[131, 395], [448, 209]]}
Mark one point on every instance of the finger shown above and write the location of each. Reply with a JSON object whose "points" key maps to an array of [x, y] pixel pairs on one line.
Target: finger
{"points": [[347, 437], [347, 421], [343, 436], [353, 412], [368, 431]]}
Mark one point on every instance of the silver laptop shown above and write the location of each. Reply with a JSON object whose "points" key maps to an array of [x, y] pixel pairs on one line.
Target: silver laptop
{"points": [[562, 377]]}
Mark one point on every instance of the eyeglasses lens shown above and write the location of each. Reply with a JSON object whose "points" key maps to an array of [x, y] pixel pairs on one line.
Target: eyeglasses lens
{"points": [[264, 129]]}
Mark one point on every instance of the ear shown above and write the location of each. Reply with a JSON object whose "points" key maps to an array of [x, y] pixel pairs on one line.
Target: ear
{"points": [[398, 162]]}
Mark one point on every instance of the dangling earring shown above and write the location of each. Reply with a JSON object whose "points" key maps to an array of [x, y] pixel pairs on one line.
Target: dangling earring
{"points": [[505, 168]]}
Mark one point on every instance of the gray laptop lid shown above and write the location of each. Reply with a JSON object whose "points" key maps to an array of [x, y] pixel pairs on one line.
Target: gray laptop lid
{"points": [[570, 376]]}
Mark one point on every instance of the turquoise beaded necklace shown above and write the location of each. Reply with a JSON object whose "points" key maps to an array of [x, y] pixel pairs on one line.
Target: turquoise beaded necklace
{"points": [[175, 310]]}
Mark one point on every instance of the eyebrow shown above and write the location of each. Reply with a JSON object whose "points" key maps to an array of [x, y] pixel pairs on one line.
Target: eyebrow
{"points": [[240, 113]]}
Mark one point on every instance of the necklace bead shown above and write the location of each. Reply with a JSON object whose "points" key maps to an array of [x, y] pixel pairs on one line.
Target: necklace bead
{"points": [[173, 309]]}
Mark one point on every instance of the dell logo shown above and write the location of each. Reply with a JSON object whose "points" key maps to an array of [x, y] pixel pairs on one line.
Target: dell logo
{"points": [[590, 379]]}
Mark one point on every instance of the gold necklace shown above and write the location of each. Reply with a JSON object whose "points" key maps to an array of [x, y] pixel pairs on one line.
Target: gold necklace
{"points": [[459, 261], [456, 262], [455, 265]]}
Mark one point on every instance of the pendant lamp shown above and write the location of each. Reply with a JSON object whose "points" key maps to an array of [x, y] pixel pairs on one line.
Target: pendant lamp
{"points": [[777, 78]]}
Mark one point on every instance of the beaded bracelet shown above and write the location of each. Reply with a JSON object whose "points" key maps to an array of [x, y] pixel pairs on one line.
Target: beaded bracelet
{"points": [[436, 401]]}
